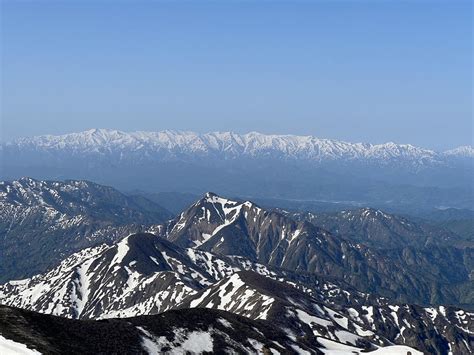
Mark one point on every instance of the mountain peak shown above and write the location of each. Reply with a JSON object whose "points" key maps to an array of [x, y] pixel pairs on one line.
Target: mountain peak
{"points": [[213, 198], [210, 195]]}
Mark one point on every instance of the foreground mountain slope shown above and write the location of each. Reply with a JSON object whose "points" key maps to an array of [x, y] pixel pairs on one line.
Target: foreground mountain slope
{"points": [[41, 222], [258, 297], [141, 274], [190, 330], [145, 274], [433, 331], [225, 227]]}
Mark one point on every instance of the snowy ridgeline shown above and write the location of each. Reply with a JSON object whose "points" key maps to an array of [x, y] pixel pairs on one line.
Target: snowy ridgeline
{"points": [[228, 144], [145, 275]]}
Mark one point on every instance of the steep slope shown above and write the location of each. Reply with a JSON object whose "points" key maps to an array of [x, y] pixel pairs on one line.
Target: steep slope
{"points": [[378, 229], [258, 297], [433, 331], [227, 227], [440, 330], [142, 274], [174, 332], [41, 222], [459, 221], [422, 247]]}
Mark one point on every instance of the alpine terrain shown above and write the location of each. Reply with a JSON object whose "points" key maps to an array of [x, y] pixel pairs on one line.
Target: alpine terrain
{"points": [[227, 275]]}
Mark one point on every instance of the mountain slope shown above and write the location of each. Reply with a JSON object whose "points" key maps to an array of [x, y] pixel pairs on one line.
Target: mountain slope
{"points": [[378, 229], [460, 222], [41, 222], [174, 332], [440, 330], [227, 227], [258, 297], [433, 331], [142, 274]]}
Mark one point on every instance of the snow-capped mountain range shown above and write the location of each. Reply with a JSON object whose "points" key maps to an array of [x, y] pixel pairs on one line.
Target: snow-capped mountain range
{"points": [[252, 164], [230, 145]]}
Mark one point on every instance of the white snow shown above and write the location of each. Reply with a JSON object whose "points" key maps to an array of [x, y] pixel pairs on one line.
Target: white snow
{"points": [[197, 342], [334, 348], [309, 319], [194, 342], [432, 312], [294, 236], [122, 250], [225, 323], [10, 347], [395, 350], [227, 145]]}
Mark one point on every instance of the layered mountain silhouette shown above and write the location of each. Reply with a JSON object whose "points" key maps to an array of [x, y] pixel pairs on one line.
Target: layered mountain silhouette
{"points": [[354, 281]]}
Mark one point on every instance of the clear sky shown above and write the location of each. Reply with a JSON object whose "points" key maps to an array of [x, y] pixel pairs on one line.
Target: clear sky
{"points": [[371, 71]]}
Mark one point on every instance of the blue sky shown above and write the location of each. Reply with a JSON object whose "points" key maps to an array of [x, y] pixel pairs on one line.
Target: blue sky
{"points": [[371, 71]]}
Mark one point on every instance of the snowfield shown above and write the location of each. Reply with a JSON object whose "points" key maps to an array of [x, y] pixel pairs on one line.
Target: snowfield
{"points": [[9, 347]]}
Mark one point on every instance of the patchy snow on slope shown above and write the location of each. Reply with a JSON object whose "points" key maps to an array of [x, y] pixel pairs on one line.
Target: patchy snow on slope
{"points": [[309, 319], [194, 342], [395, 350], [10, 347], [122, 250]]}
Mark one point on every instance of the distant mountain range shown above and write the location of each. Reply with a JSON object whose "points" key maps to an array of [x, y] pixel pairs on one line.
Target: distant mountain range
{"points": [[228, 145], [252, 164]]}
